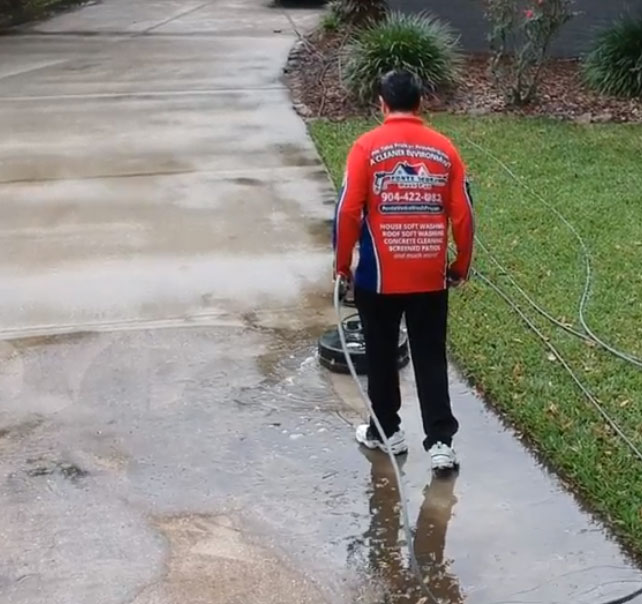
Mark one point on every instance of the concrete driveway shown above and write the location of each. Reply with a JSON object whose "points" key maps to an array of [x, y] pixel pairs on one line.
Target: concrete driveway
{"points": [[151, 168], [166, 434]]}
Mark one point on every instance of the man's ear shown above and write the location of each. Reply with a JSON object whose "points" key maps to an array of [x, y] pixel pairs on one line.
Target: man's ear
{"points": [[383, 106]]}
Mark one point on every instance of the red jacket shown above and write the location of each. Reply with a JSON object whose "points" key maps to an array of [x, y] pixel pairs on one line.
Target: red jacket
{"points": [[404, 185]]}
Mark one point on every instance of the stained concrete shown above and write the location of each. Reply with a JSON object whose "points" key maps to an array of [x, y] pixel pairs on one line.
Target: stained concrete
{"points": [[166, 433]]}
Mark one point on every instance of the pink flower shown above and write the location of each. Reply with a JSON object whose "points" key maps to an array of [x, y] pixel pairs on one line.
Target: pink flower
{"points": [[529, 14]]}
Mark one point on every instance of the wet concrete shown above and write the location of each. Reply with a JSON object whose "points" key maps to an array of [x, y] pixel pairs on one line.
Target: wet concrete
{"points": [[157, 146], [173, 465], [166, 434]]}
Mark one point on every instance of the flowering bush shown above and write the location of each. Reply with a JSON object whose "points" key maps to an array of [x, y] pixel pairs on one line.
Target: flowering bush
{"points": [[520, 38]]}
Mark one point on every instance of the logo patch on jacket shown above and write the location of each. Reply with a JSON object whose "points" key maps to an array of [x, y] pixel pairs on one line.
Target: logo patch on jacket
{"points": [[408, 176]]}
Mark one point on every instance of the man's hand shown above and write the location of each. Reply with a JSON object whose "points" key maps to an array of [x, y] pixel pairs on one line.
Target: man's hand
{"points": [[341, 272], [453, 279], [345, 282]]}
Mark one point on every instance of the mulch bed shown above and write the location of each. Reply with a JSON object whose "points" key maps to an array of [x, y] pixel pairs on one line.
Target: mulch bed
{"points": [[314, 73]]}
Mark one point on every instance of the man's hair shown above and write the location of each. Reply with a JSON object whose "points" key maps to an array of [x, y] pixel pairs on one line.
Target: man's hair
{"points": [[400, 90]]}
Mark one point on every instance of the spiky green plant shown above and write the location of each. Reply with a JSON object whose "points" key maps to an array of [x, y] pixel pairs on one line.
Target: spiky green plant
{"points": [[421, 44], [333, 16], [614, 65], [360, 12]]}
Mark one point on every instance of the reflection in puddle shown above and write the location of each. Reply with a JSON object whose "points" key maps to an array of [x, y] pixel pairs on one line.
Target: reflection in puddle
{"points": [[386, 558]]}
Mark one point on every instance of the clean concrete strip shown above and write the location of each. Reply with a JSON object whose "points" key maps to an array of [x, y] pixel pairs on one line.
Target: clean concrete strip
{"points": [[284, 170], [133, 94], [31, 69]]}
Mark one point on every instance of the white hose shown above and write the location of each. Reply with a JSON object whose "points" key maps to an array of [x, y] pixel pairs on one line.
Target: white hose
{"points": [[586, 254], [403, 499]]}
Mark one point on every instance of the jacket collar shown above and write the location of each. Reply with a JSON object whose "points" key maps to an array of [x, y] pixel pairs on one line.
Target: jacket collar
{"points": [[403, 117]]}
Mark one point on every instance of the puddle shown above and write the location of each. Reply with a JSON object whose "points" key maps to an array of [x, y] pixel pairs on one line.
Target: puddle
{"points": [[293, 379], [379, 551]]}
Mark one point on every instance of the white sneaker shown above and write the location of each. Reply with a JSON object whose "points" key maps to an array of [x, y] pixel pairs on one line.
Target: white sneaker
{"points": [[443, 457], [397, 441]]}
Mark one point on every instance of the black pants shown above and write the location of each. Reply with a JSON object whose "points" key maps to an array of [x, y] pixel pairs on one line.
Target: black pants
{"points": [[426, 320]]}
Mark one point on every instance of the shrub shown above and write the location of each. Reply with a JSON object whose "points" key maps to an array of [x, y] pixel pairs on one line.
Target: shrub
{"points": [[10, 10], [614, 65], [520, 39], [359, 12], [17, 11], [333, 17], [421, 44]]}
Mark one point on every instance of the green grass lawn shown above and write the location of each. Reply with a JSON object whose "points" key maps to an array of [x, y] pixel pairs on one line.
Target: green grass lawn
{"points": [[593, 175]]}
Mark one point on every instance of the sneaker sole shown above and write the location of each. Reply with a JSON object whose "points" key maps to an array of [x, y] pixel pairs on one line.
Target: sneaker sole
{"points": [[444, 467], [396, 450]]}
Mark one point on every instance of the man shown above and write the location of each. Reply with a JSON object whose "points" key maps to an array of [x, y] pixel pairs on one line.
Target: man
{"points": [[404, 186]]}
